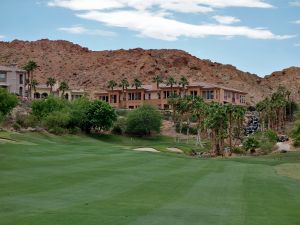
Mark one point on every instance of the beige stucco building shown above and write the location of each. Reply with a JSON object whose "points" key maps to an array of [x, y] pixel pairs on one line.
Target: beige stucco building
{"points": [[150, 94], [13, 79]]}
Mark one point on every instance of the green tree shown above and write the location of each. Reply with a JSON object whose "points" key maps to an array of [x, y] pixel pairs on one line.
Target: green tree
{"points": [[216, 121], [7, 102], [136, 83], [63, 86], [144, 120], [50, 83], [78, 114], [100, 116], [111, 84]]}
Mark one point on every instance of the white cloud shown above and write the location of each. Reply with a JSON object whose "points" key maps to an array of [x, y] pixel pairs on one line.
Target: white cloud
{"points": [[81, 30], [297, 21], [154, 18], [295, 3], [192, 6], [2, 36], [226, 19], [157, 26]]}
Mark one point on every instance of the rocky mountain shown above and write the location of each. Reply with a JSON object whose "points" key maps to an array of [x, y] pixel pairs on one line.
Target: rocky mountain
{"points": [[91, 69]]}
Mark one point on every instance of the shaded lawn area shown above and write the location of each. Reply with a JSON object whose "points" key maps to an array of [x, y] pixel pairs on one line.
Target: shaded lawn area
{"points": [[83, 180]]}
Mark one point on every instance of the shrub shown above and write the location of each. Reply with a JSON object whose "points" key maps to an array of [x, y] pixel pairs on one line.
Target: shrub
{"points": [[43, 107], [58, 119], [119, 126], [296, 132], [58, 130], [271, 135], [78, 115], [144, 120], [251, 143], [238, 150], [7, 102], [26, 120], [121, 112], [16, 126]]}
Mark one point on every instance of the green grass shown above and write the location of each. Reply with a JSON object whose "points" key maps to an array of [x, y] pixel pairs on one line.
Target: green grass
{"points": [[82, 180]]}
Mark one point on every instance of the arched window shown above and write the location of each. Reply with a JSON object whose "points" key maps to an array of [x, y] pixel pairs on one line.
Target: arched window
{"points": [[67, 96], [44, 95], [37, 95]]}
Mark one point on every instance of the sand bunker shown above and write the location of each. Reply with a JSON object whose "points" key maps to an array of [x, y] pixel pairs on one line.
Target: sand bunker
{"points": [[175, 150], [145, 150]]}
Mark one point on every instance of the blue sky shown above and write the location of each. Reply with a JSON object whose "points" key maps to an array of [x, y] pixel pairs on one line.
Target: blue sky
{"points": [[257, 36]]}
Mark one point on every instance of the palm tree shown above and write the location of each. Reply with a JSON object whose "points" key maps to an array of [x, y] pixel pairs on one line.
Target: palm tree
{"points": [[50, 83], [111, 84], [158, 80], [63, 87], [124, 84], [199, 108], [136, 83], [29, 68], [171, 82], [183, 82], [34, 83]]}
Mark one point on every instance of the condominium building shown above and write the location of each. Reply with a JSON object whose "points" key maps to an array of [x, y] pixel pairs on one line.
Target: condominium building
{"points": [[43, 91], [13, 79], [150, 94]]}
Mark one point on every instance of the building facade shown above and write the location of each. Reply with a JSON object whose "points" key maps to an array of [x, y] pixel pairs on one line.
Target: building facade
{"points": [[13, 79], [131, 98], [43, 91]]}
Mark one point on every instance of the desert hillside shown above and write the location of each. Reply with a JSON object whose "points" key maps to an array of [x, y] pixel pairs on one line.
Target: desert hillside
{"points": [[91, 69]]}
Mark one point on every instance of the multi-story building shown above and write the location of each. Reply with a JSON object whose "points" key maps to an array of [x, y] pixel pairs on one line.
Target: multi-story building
{"points": [[150, 94], [13, 79]]}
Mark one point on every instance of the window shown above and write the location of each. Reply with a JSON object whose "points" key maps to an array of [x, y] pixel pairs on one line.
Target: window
{"points": [[194, 93], [2, 77], [104, 98], [149, 96], [135, 96], [21, 79], [113, 99], [242, 99], [208, 94], [227, 95], [21, 91]]}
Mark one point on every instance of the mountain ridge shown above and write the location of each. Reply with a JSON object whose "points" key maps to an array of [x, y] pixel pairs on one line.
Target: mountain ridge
{"points": [[90, 70]]}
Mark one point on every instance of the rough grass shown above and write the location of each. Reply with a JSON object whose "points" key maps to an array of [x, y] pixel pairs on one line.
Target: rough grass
{"points": [[82, 180], [291, 170]]}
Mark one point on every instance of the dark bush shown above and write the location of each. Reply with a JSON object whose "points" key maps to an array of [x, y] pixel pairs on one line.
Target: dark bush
{"points": [[143, 121]]}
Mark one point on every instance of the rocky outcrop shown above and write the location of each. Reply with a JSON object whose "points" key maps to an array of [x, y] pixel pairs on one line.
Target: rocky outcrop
{"points": [[91, 69]]}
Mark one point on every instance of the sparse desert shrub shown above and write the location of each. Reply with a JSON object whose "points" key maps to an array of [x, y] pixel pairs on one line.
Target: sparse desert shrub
{"points": [[238, 150], [27, 120], [119, 127], [16, 126]]}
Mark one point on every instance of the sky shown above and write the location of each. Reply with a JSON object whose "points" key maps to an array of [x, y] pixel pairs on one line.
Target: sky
{"points": [[256, 36]]}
